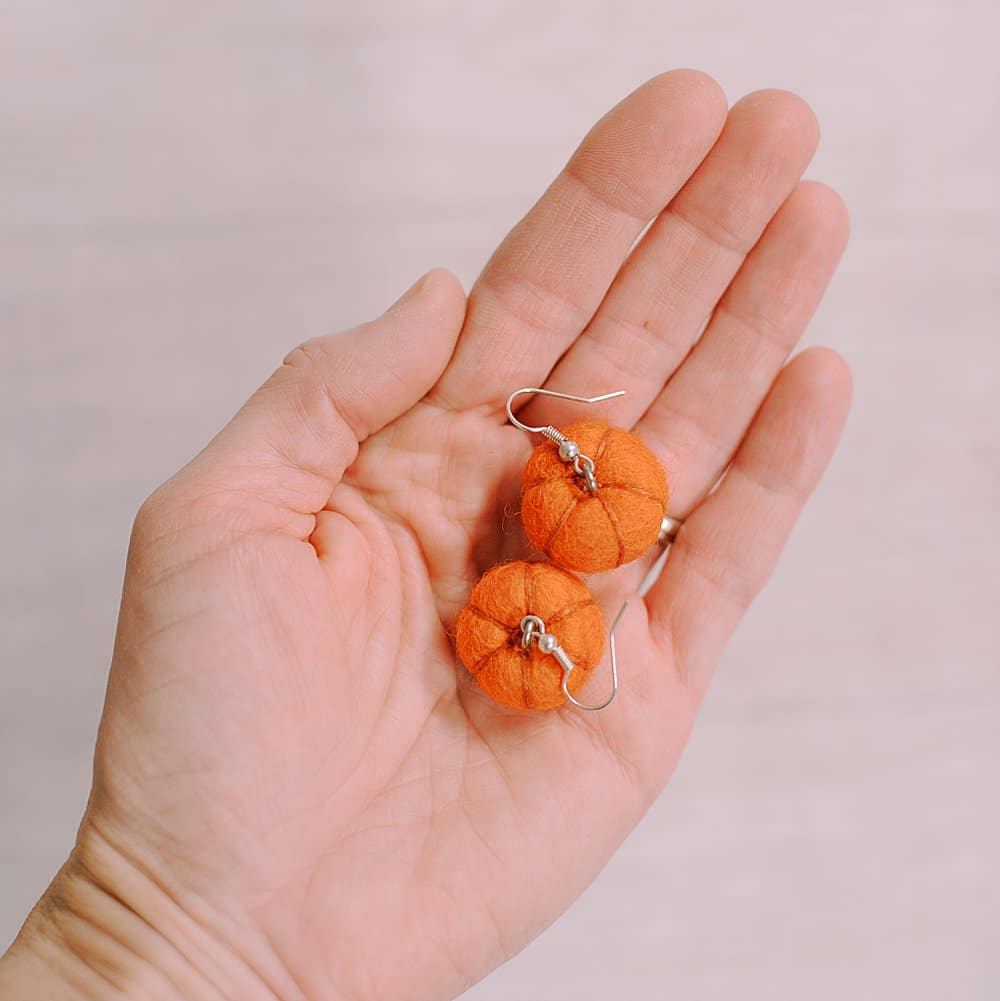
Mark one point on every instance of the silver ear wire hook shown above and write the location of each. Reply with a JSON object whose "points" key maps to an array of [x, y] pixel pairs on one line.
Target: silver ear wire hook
{"points": [[569, 451], [533, 631], [559, 396]]}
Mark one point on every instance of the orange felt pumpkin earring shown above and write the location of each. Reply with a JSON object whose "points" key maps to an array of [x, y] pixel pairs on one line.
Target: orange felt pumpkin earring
{"points": [[593, 497], [531, 636]]}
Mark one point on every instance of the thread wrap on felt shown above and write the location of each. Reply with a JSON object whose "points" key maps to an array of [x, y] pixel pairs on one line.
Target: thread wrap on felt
{"points": [[488, 635], [592, 532]]}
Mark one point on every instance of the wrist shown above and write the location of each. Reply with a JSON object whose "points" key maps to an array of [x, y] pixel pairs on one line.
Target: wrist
{"points": [[105, 932], [82, 941]]}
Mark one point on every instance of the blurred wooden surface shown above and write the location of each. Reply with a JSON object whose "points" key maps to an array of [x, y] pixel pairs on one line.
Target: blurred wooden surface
{"points": [[188, 190]]}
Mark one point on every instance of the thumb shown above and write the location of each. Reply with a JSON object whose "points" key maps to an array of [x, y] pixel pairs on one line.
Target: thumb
{"points": [[289, 445]]}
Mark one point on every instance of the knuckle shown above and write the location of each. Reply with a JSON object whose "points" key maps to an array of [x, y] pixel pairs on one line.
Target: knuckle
{"points": [[308, 355]]}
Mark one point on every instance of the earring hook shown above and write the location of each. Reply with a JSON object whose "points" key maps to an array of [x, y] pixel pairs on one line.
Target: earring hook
{"points": [[559, 396], [614, 670], [533, 631], [569, 451]]}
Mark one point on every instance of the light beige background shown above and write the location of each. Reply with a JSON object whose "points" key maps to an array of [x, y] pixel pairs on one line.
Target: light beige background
{"points": [[190, 189]]}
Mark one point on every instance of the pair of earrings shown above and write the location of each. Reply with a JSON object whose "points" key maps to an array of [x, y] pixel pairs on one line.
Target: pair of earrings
{"points": [[593, 498]]}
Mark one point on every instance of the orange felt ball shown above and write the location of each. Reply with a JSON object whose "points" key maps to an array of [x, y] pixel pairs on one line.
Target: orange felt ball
{"points": [[591, 532], [488, 634]]}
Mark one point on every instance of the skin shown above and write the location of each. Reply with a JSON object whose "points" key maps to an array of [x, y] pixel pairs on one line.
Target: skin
{"points": [[297, 792]]}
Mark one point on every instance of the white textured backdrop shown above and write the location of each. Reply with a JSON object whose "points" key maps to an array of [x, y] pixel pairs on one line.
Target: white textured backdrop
{"points": [[187, 190]]}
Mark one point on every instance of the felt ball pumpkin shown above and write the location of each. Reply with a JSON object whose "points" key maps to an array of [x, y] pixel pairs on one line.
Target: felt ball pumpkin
{"points": [[489, 637], [587, 531]]}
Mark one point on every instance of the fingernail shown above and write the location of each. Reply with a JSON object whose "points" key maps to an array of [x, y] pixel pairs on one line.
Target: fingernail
{"points": [[412, 292]]}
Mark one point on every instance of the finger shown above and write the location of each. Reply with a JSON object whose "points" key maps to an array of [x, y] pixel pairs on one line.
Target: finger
{"points": [[728, 547], [548, 276], [700, 417], [289, 445], [657, 305]]}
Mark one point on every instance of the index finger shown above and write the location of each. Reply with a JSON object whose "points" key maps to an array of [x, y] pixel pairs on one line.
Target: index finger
{"points": [[547, 278]]}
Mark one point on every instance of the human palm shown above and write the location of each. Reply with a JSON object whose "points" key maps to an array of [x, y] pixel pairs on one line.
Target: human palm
{"points": [[291, 760]]}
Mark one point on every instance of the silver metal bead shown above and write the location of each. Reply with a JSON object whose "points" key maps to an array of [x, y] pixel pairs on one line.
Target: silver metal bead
{"points": [[547, 643], [568, 451]]}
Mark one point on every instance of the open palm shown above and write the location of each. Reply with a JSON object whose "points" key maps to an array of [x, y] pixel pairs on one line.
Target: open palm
{"points": [[296, 784]]}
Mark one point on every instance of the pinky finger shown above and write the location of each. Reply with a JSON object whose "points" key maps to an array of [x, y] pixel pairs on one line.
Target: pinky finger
{"points": [[728, 547]]}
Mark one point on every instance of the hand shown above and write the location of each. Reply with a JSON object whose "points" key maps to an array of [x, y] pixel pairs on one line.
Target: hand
{"points": [[298, 793]]}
